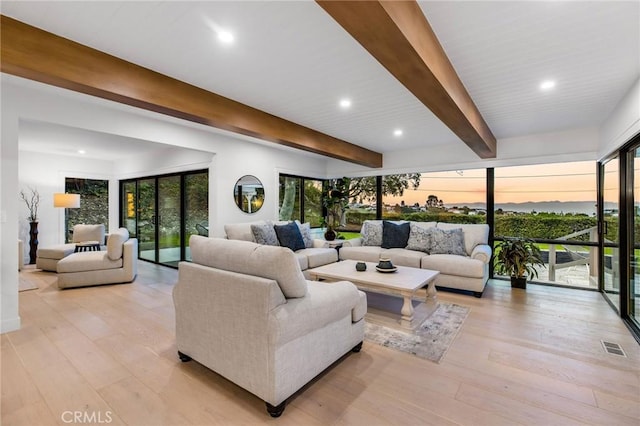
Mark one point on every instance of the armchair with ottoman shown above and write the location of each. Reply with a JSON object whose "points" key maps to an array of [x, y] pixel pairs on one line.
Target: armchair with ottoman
{"points": [[116, 264], [245, 311], [47, 258]]}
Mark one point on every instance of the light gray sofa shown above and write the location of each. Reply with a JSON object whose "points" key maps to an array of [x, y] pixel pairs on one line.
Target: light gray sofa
{"points": [[117, 264], [245, 311], [316, 252], [47, 257], [468, 270]]}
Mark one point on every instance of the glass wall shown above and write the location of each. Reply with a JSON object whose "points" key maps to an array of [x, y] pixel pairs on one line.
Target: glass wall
{"points": [[94, 203], [555, 205], [455, 196], [610, 219], [363, 197], [634, 276], [169, 220], [300, 199], [312, 202], [196, 207], [620, 177]]}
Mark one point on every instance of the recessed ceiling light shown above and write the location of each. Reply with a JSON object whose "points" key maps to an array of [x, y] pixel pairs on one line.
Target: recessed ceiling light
{"points": [[397, 132], [225, 36], [547, 85], [82, 151], [345, 103]]}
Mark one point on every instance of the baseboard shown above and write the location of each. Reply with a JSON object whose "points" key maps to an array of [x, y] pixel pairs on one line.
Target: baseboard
{"points": [[8, 325]]}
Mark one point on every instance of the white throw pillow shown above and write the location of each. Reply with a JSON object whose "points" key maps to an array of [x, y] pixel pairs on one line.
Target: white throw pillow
{"points": [[419, 238], [114, 243], [305, 230], [450, 241], [371, 233], [265, 234]]}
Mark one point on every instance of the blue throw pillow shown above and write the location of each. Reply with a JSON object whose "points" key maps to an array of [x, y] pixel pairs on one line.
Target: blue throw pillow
{"points": [[289, 236], [395, 235]]}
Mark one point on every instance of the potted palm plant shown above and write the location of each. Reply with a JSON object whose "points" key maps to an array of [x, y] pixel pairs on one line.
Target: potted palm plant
{"points": [[518, 257]]}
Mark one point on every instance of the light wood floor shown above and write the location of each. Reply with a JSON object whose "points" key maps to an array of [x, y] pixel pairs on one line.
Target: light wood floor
{"points": [[109, 352]]}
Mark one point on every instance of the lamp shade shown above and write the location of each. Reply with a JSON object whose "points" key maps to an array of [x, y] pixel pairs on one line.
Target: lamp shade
{"points": [[69, 201]]}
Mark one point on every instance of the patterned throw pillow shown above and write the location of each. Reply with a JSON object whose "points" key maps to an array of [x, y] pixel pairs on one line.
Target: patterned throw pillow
{"points": [[289, 236], [419, 238], [305, 230], [449, 241], [264, 233], [371, 233], [395, 235]]}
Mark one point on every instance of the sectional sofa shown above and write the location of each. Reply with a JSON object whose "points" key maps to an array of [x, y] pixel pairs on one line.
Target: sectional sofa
{"points": [[460, 252], [314, 253]]}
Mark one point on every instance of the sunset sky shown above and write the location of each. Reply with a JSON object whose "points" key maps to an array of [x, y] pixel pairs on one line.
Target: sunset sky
{"points": [[550, 182]]}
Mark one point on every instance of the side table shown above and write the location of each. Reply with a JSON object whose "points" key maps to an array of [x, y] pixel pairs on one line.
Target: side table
{"points": [[336, 244], [87, 246]]}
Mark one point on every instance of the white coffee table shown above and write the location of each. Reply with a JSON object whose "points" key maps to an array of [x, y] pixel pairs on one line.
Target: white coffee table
{"points": [[405, 283]]}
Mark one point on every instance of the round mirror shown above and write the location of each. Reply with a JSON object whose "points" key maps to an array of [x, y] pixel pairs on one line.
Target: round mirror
{"points": [[249, 194]]}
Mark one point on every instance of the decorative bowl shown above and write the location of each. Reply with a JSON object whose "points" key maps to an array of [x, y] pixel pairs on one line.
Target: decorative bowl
{"points": [[386, 270]]}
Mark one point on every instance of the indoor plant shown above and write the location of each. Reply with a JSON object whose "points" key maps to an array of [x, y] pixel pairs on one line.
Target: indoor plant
{"points": [[518, 257], [335, 200]]}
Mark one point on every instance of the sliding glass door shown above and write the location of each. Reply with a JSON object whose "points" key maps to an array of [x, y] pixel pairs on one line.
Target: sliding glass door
{"points": [[196, 207], [621, 233], [611, 224], [146, 219], [168, 220], [634, 274], [163, 211]]}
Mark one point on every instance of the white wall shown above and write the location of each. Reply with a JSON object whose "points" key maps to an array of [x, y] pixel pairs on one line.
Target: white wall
{"points": [[9, 316], [47, 173], [228, 158], [622, 124]]}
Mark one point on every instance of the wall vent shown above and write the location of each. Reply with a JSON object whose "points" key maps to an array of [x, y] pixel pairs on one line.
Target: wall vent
{"points": [[613, 348]]}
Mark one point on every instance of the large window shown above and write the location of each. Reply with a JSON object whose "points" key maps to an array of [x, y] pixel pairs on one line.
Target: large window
{"points": [[554, 204], [301, 199], [454, 196], [94, 203], [610, 234]]}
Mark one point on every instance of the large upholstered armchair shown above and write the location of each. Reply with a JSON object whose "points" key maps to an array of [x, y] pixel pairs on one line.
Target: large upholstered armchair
{"points": [[116, 264], [245, 311]]}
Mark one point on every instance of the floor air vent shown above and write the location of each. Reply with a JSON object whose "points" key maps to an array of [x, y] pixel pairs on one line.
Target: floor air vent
{"points": [[613, 348]]}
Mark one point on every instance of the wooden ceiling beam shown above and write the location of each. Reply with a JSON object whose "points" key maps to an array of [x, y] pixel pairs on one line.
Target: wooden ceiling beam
{"points": [[32, 53], [399, 36]]}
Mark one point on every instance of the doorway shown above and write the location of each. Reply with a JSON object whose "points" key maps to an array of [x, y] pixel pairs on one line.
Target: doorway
{"points": [[163, 212]]}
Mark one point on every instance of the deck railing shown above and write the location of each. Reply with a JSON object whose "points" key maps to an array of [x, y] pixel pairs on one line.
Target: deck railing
{"points": [[590, 258]]}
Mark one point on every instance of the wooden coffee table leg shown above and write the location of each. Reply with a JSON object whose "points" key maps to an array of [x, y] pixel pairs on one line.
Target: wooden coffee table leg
{"points": [[431, 291], [407, 311]]}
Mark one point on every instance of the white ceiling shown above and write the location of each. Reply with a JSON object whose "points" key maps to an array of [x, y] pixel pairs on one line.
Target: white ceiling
{"points": [[292, 60], [48, 138]]}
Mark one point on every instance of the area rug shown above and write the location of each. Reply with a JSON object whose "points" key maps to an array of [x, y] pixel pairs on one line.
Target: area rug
{"points": [[429, 341], [24, 284]]}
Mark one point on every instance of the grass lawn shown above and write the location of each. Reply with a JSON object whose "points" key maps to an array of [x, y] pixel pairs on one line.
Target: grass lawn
{"points": [[348, 235]]}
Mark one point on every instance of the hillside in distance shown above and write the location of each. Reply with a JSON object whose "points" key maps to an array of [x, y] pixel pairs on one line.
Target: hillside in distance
{"points": [[584, 207]]}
